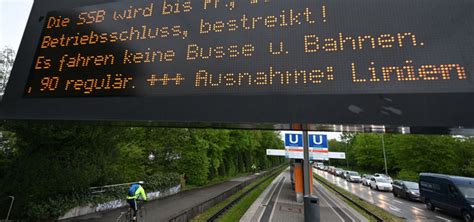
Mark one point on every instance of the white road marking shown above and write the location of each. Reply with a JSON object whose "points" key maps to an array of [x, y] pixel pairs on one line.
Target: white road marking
{"points": [[391, 206], [394, 208], [442, 218], [397, 201], [331, 207], [277, 180], [416, 208], [276, 200]]}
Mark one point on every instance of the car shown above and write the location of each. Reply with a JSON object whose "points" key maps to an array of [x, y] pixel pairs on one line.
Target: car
{"points": [[453, 194], [319, 165], [332, 170], [380, 184], [353, 176], [406, 189], [366, 179], [344, 173], [339, 172], [390, 180]]}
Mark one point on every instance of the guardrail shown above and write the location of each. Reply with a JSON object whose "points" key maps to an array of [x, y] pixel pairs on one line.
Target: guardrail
{"points": [[376, 217], [102, 189]]}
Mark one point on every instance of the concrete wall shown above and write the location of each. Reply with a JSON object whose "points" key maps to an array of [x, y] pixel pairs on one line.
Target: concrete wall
{"points": [[83, 210]]}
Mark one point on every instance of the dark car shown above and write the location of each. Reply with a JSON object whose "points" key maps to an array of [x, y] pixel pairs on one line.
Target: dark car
{"points": [[332, 170], [406, 189], [451, 193]]}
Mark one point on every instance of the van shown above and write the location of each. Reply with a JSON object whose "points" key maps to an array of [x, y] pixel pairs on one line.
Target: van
{"points": [[453, 194]]}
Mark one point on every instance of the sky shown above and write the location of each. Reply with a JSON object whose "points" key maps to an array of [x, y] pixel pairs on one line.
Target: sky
{"points": [[13, 17]]}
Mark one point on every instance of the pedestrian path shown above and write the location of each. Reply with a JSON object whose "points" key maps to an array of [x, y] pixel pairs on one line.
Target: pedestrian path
{"points": [[278, 204], [168, 207]]}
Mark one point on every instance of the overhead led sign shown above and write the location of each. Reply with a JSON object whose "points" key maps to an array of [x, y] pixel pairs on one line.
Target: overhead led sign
{"points": [[265, 53]]}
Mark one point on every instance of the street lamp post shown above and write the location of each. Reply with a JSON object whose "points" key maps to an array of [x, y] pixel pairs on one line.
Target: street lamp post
{"points": [[347, 161], [384, 156]]}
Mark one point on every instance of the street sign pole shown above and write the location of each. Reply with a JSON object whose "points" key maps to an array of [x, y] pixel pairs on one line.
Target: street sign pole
{"points": [[384, 156], [306, 176], [311, 204]]}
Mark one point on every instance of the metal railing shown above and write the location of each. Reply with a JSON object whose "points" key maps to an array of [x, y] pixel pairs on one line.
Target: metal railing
{"points": [[103, 189], [11, 206]]}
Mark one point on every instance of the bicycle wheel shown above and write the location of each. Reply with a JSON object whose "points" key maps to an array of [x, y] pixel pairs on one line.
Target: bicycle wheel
{"points": [[124, 216], [141, 217]]}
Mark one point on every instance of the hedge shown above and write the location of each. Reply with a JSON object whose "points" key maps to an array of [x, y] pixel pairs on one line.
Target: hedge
{"points": [[56, 206]]}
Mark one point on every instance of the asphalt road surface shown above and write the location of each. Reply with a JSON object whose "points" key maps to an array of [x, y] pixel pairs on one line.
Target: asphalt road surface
{"points": [[410, 210]]}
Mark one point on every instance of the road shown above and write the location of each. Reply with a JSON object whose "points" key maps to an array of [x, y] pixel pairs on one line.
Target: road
{"points": [[410, 210]]}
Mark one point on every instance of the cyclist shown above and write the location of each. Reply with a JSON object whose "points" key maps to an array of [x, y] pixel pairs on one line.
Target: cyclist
{"points": [[135, 192], [254, 168]]}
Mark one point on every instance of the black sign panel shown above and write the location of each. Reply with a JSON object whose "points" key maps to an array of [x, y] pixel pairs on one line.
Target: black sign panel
{"points": [[398, 62]]}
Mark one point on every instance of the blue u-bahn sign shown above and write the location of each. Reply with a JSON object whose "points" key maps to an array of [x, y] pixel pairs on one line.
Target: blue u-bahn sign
{"points": [[318, 141], [315, 141], [293, 140]]}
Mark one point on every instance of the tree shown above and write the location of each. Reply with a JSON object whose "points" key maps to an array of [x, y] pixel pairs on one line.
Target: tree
{"points": [[7, 57], [54, 160]]}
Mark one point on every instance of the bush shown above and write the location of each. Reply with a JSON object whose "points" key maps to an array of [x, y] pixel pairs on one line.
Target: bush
{"points": [[408, 175], [57, 206]]}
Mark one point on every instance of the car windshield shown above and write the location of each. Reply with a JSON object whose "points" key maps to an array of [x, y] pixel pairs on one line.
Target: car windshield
{"points": [[412, 185], [353, 173], [381, 180], [467, 191]]}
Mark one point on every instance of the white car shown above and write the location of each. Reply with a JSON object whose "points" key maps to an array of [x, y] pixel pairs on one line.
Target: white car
{"points": [[352, 176], [320, 165], [380, 184], [390, 180], [366, 179]]}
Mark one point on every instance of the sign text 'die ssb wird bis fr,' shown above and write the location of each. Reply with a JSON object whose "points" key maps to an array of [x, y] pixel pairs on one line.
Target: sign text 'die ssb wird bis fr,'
{"points": [[254, 47]]}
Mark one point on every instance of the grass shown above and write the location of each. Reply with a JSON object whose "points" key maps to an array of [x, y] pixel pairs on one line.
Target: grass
{"points": [[239, 209], [386, 216]]}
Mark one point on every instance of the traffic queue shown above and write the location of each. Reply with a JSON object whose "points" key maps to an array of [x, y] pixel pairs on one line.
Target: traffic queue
{"points": [[454, 194]]}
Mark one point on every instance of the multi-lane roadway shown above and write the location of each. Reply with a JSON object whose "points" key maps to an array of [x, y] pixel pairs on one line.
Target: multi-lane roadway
{"points": [[410, 210]]}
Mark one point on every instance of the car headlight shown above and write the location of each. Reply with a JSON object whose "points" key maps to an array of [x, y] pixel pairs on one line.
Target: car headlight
{"points": [[472, 206], [413, 193]]}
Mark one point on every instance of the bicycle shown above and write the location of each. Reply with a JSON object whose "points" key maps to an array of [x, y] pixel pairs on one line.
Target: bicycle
{"points": [[127, 216]]}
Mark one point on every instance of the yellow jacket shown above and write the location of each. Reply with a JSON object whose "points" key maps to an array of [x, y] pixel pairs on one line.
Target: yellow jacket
{"points": [[140, 192]]}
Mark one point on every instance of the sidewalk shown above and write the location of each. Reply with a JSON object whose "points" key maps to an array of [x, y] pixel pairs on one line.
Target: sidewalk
{"points": [[278, 204], [164, 209]]}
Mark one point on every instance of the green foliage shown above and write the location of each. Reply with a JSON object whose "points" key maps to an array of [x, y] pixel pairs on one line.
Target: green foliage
{"points": [[409, 175], [407, 155], [49, 167], [194, 162], [7, 57], [56, 206]]}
